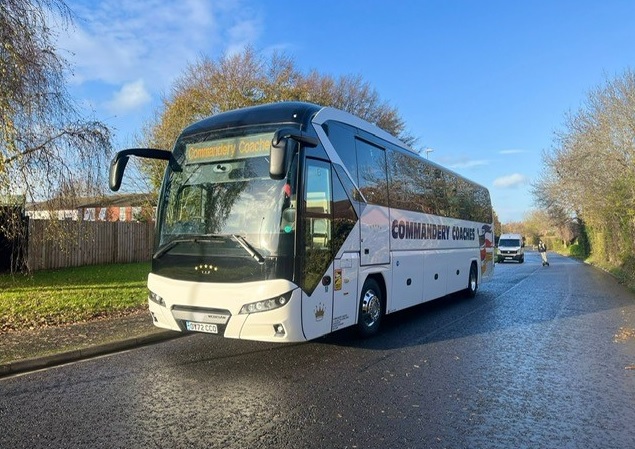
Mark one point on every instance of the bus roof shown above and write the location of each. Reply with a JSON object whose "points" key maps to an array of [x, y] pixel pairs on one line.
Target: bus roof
{"points": [[328, 113], [291, 112]]}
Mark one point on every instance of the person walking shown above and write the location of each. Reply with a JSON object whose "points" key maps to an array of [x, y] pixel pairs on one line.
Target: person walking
{"points": [[542, 249]]}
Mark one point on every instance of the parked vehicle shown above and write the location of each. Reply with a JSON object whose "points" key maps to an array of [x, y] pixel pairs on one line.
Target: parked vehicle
{"points": [[510, 247], [275, 223]]}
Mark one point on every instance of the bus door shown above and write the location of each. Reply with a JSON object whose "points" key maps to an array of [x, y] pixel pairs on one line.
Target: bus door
{"points": [[317, 260]]}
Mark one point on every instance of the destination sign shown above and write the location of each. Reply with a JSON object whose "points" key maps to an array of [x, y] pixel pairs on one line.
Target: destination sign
{"points": [[227, 149]]}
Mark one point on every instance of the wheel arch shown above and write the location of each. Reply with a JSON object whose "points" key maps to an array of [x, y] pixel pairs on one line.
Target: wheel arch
{"points": [[370, 313], [381, 281]]}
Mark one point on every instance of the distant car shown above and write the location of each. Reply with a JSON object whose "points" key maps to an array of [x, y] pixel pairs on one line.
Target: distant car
{"points": [[510, 247]]}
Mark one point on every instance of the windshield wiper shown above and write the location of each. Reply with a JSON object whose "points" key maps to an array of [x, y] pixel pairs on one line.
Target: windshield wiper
{"points": [[199, 238], [249, 248]]}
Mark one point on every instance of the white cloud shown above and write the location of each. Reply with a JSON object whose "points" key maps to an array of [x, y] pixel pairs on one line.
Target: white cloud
{"points": [[242, 34], [131, 96], [458, 162], [511, 181], [467, 163], [511, 151], [120, 40]]}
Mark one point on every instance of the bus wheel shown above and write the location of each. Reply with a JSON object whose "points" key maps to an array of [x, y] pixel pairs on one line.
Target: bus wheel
{"points": [[371, 309], [472, 282]]}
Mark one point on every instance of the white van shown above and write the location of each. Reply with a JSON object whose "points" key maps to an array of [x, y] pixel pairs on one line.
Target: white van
{"points": [[510, 247]]}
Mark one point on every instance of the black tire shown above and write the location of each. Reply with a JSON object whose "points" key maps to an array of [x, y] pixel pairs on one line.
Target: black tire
{"points": [[371, 309], [472, 282]]}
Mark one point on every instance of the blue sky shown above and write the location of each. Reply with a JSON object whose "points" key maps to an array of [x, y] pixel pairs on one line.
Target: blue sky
{"points": [[484, 84]]}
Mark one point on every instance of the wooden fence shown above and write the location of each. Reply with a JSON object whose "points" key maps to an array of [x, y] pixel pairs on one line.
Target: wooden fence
{"points": [[76, 243]]}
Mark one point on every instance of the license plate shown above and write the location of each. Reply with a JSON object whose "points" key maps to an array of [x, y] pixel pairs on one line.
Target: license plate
{"points": [[201, 327]]}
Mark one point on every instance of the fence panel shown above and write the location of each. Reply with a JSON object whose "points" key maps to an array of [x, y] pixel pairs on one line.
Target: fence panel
{"points": [[62, 244]]}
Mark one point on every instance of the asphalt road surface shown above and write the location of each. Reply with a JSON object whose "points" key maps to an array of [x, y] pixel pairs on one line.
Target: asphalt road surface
{"points": [[541, 358]]}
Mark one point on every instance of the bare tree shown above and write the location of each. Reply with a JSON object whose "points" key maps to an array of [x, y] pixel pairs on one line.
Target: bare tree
{"points": [[589, 176], [46, 146]]}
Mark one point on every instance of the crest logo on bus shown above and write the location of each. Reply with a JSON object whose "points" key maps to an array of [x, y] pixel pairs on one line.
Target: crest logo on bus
{"points": [[319, 312], [205, 268]]}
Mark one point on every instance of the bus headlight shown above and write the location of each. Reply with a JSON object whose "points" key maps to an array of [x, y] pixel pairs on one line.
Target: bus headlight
{"points": [[156, 298], [266, 304]]}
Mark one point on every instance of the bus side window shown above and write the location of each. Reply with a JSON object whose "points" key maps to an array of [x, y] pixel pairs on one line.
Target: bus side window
{"points": [[373, 182]]}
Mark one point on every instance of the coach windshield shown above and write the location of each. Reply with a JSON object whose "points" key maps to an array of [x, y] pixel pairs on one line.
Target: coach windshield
{"points": [[222, 217]]}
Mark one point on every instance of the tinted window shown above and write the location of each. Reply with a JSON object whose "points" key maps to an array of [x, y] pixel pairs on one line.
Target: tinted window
{"points": [[372, 180], [417, 185], [343, 139], [344, 216]]}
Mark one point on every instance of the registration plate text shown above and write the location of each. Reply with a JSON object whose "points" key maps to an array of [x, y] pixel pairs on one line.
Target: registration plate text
{"points": [[201, 327]]}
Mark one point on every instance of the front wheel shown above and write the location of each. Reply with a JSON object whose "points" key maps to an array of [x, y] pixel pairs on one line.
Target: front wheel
{"points": [[371, 309]]}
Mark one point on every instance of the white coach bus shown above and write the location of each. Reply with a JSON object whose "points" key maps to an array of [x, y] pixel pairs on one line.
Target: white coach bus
{"points": [[288, 221]]}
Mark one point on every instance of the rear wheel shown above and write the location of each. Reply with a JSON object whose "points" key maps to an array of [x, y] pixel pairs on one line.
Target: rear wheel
{"points": [[371, 309], [472, 282]]}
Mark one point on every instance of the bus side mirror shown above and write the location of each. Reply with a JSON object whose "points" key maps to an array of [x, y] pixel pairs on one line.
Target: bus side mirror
{"points": [[119, 162], [283, 144], [278, 157], [117, 167]]}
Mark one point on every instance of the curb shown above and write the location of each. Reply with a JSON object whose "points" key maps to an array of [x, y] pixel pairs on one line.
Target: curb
{"points": [[47, 361]]}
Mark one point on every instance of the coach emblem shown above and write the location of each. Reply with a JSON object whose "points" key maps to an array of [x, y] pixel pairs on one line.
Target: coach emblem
{"points": [[319, 312], [205, 268]]}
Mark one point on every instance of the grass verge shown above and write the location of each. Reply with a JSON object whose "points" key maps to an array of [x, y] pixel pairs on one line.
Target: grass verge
{"points": [[71, 295]]}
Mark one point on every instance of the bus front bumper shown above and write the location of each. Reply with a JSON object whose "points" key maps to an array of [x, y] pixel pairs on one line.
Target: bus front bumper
{"points": [[182, 306]]}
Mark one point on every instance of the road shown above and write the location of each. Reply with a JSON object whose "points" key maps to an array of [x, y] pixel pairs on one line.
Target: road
{"points": [[541, 358]]}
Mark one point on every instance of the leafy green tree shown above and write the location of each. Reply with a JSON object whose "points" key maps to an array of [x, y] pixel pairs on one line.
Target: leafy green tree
{"points": [[209, 87]]}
